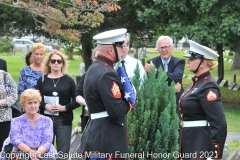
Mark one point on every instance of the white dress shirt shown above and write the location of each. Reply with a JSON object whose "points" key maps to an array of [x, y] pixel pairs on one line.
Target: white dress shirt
{"points": [[131, 64]]}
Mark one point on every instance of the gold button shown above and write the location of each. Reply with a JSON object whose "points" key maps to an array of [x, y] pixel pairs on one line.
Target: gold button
{"points": [[216, 146], [122, 124]]}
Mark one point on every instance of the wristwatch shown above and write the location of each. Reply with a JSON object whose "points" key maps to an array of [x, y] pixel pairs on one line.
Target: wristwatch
{"points": [[65, 108]]}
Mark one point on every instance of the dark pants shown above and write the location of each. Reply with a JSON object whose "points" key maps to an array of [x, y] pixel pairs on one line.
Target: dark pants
{"points": [[5, 129], [63, 136]]}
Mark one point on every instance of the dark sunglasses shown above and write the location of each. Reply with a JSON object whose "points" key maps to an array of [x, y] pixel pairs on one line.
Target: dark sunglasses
{"points": [[53, 61], [121, 44]]}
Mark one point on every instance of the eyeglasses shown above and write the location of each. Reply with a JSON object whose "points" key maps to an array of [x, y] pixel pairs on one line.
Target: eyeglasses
{"points": [[164, 48], [53, 61]]}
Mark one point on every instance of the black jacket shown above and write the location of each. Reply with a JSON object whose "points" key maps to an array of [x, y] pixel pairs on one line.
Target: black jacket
{"points": [[66, 92], [202, 101], [103, 92]]}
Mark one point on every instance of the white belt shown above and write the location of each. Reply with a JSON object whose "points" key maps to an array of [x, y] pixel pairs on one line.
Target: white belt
{"points": [[194, 123], [99, 115]]}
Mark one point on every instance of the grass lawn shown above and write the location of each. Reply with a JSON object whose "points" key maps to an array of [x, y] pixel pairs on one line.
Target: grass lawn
{"points": [[233, 145]]}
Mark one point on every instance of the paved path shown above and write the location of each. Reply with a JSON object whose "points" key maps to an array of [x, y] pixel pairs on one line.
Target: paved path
{"points": [[233, 136]]}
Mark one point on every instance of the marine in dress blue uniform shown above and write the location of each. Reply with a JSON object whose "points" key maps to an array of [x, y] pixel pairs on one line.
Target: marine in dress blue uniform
{"points": [[106, 133], [203, 127]]}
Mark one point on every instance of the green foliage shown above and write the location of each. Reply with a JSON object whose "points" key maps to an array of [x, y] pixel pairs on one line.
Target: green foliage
{"points": [[6, 46], [154, 119], [232, 113]]}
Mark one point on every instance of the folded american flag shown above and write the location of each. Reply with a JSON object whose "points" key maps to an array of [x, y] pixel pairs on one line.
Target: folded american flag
{"points": [[128, 88]]}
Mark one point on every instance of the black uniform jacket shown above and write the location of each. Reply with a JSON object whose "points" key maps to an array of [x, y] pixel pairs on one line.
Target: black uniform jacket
{"points": [[202, 101], [175, 72], [103, 92]]}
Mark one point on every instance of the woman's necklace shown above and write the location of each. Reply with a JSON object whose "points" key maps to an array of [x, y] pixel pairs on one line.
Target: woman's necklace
{"points": [[55, 84]]}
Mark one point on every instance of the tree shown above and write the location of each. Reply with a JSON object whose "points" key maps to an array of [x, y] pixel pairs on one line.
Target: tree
{"points": [[59, 18], [6, 47], [209, 22], [64, 19], [69, 47], [153, 125], [127, 18]]}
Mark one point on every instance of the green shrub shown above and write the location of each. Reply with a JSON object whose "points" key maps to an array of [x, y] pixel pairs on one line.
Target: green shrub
{"points": [[156, 104]]}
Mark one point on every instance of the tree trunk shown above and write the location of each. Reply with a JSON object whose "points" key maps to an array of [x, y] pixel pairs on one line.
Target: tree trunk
{"points": [[135, 53], [87, 46], [220, 63], [236, 61], [70, 54]]}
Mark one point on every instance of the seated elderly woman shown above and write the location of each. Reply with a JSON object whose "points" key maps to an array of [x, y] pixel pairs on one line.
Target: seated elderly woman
{"points": [[31, 132]]}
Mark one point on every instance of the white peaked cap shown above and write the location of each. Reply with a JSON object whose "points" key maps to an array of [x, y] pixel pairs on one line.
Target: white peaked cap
{"points": [[110, 37], [199, 51]]}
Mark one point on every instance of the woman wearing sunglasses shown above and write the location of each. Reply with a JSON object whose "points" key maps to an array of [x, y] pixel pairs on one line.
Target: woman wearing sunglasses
{"points": [[58, 92]]}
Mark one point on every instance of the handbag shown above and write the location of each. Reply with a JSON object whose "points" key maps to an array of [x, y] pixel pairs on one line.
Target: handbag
{"points": [[16, 110], [16, 107]]}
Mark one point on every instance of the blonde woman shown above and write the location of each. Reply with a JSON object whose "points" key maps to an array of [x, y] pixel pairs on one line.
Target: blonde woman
{"points": [[31, 73], [203, 126], [31, 132], [58, 92]]}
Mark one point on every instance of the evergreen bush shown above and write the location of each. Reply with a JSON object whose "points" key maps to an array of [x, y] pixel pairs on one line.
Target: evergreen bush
{"points": [[153, 125]]}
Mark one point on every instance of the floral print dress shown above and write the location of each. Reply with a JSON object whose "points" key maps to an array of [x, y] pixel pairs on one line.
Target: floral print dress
{"points": [[28, 79], [8, 91]]}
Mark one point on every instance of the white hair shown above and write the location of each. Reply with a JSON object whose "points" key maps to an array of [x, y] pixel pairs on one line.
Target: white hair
{"points": [[162, 38]]}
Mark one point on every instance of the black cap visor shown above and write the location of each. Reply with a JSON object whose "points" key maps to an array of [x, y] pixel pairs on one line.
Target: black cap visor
{"points": [[121, 44], [194, 55]]}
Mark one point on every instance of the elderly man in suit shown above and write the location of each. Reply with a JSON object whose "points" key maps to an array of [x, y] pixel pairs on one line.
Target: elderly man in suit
{"points": [[3, 65], [174, 67]]}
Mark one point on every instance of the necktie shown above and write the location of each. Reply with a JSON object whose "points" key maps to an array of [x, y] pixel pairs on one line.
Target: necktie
{"points": [[165, 67], [123, 65]]}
